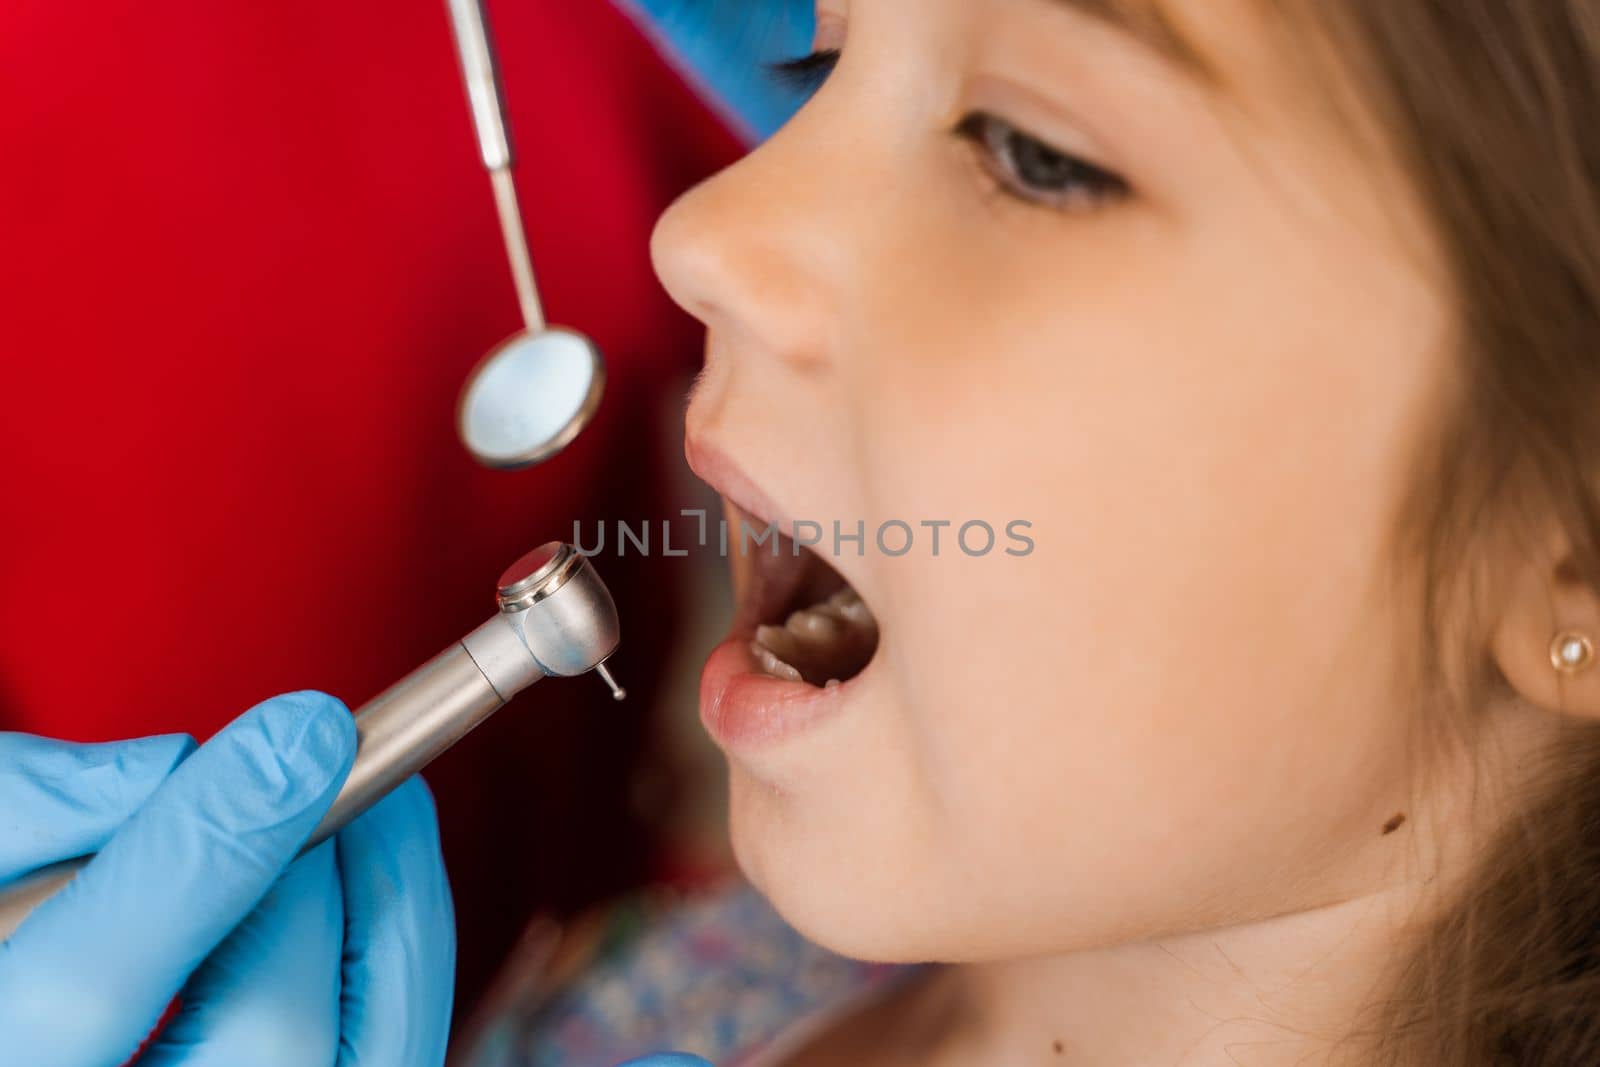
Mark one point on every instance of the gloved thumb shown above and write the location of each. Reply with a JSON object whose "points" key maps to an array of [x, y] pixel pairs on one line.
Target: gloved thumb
{"points": [[88, 973]]}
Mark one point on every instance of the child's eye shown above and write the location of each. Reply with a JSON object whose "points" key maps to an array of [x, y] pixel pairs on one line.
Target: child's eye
{"points": [[807, 73], [1030, 170], [1023, 166]]}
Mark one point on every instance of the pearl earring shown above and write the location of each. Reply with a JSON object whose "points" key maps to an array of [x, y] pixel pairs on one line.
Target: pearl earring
{"points": [[1571, 652]]}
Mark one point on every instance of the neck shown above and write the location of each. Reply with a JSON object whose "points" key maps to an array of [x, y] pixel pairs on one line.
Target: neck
{"points": [[1283, 991]]}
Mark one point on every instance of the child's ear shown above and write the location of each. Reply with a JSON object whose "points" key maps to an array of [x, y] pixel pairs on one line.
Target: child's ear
{"points": [[1547, 642]]}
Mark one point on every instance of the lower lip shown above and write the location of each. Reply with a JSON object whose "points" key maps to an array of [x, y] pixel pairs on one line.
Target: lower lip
{"points": [[743, 708]]}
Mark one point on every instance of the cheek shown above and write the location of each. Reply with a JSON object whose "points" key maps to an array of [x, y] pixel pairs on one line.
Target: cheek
{"points": [[1190, 674]]}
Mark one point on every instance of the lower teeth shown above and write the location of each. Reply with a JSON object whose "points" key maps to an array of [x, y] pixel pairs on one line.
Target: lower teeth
{"points": [[819, 644], [771, 664]]}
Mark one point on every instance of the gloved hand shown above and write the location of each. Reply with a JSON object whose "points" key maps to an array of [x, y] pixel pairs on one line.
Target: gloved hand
{"points": [[344, 956], [668, 1059]]}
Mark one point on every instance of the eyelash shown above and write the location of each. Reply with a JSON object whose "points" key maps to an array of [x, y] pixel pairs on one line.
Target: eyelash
{"points": [[805, 74], [1004, 151]]}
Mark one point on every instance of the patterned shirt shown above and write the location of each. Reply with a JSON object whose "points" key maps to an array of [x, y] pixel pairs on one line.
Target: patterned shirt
{"points": [[719, 974]]}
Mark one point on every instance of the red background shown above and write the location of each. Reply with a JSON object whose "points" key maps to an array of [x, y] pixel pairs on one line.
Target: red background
{"points": [[247, 256]]}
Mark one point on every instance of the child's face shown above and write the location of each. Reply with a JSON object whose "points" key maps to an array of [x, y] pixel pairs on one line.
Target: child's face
{"points": [[1202, 382]]}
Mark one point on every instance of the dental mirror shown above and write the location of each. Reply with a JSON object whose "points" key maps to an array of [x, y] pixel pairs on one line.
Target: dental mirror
{"points": [[536, 390]]}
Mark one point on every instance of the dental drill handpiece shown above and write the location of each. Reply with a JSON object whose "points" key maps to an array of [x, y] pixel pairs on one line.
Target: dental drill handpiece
{"points": [[556, 618]]}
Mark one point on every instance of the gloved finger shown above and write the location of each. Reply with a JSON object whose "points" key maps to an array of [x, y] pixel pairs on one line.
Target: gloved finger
{"points": [[668, 1059], [59, 800], [400, 935], [725, 45], [86, 976], [269, 995]]}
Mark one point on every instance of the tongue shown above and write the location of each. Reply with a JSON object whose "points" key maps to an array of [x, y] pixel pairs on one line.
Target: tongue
{"points": [[829, 641]]}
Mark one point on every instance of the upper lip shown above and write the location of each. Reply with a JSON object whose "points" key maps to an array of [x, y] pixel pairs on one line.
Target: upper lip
{"points": [[714, 467], [768, 591]]}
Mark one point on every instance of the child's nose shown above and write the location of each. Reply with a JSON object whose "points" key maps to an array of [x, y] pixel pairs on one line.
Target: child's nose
{"points": [[746, 253]]}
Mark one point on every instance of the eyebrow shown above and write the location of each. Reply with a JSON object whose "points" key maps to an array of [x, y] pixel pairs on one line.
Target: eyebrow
{"points": [[1149, 24]]}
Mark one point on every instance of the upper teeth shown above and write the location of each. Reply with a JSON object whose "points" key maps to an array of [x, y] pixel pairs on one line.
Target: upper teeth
{"points": [[819, 643]]}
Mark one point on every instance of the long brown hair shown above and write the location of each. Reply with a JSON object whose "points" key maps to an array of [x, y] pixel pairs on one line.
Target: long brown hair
{"points": [[1494, 109]]}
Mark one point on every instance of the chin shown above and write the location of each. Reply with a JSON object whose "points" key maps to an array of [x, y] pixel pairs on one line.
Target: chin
{"points": [[837, 889]]}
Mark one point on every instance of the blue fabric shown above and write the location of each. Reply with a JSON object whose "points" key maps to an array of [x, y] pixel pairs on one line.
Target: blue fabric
{"points": [[723, 47], [345, 956]]}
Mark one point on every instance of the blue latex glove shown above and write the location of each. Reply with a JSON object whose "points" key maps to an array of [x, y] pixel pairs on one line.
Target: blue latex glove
{"points": [[668, 1059], [724, 46], [344, 956]]}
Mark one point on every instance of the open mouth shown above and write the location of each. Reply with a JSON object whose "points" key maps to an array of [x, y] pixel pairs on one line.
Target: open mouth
{"points": [[804, 621]]}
